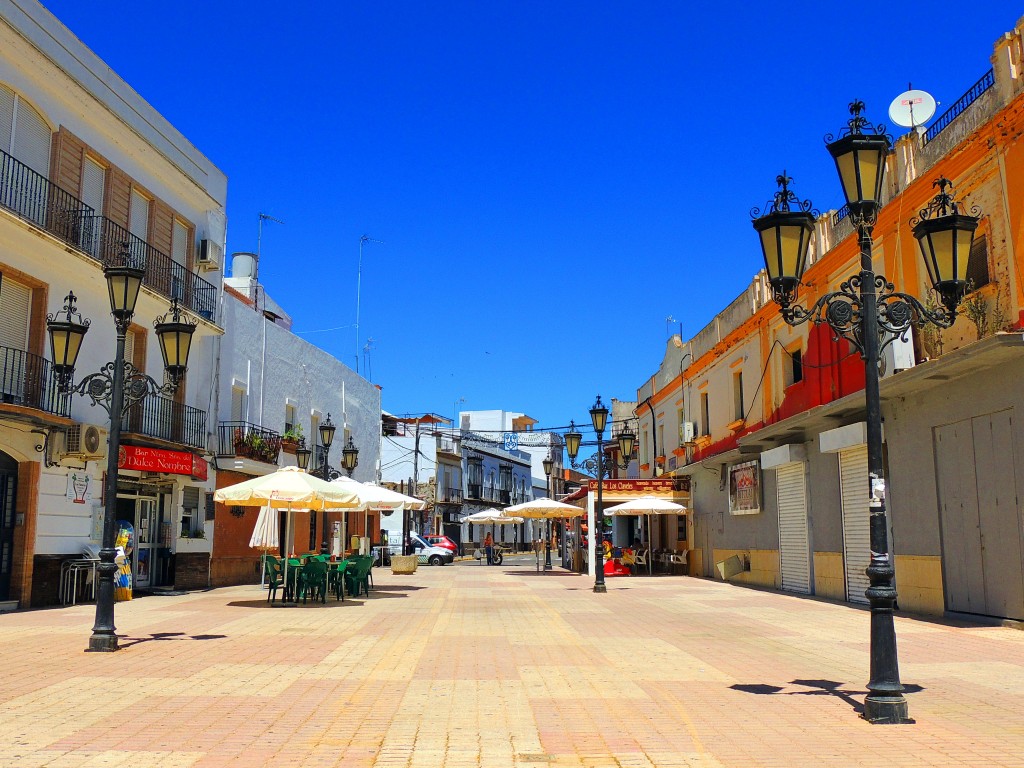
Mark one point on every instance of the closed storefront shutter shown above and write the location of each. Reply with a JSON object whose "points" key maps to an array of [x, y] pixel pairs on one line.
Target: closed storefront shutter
{"points": [[794, 548], [853, 479]]}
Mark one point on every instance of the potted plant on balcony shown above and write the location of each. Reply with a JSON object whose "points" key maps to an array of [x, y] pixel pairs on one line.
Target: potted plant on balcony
{"points": [[291, 438], [252, 445]]}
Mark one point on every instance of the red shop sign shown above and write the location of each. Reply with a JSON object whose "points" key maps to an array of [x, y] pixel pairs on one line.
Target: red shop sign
{"points": [[160, 460]]}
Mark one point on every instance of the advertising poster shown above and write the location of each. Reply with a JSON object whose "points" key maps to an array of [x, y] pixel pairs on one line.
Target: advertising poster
{"points": [[745, 488]]}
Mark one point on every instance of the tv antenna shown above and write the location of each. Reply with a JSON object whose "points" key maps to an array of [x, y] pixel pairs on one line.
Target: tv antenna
{"points": [[366, 357], [359, 282], [912, 108]]}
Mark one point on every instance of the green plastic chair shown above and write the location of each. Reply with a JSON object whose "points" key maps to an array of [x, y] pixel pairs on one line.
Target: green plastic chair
{"points": [[274, 576], [313, 579], [336, 577], [357, 575]]}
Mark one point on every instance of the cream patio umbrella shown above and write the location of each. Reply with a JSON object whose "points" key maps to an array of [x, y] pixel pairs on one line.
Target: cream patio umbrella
{"points": [[545, 509], [288, 488], [375, 497], [265, 536], [491, 517], [647, 506]]}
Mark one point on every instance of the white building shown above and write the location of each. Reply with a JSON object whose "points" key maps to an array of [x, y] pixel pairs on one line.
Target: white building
{"points": [[88, 169], [274, 385]]}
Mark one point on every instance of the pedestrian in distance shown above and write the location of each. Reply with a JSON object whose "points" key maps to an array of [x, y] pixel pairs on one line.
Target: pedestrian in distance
{"points": [[489, 548]]}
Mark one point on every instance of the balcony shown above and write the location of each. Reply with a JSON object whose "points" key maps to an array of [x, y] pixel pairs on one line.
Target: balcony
{"points": [[165, 419], [32, 197], [248, 441], [27, 380], [474, 491], [451, 496], [451, 447]]}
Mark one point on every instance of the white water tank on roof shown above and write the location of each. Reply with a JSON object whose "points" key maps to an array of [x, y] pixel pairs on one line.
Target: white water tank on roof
{"points": [[243, 264]]}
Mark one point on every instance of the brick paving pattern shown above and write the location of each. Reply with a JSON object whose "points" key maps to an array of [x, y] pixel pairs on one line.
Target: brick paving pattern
{"points": [[500, 667]]}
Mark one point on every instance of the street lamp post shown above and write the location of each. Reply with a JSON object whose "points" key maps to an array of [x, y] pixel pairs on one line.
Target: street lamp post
{"points": [[548, 465], [324, 471], [117, 387], [595, 465], [870, 315]]}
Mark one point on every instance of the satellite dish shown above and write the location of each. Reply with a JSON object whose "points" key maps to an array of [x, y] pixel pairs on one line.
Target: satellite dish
{"points": [[912, 108]]}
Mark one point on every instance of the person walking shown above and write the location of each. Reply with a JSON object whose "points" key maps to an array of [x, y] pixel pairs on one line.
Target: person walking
{"points": [[489, 548]]}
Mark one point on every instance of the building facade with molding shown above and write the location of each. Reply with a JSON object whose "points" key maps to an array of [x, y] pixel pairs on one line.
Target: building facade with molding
{"points": [[767, 420], [89, 172]]}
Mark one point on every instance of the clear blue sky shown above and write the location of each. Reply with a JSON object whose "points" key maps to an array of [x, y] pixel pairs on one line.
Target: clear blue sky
{"points": [[552, 180]]}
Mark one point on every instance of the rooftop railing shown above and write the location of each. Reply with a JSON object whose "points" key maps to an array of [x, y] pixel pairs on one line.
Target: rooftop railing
{"points": [[987, 81]]}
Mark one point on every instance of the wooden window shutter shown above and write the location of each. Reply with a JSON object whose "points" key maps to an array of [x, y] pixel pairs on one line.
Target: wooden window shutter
{"points": [[15, 307], [163, 217], [6, 117], [32, 139]]}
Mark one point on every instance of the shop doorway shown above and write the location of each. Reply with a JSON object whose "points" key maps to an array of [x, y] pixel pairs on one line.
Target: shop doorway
{"points": [[149, 556], [8, 493]]}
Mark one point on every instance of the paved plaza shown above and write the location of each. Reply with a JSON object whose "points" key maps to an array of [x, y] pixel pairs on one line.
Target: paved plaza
{"points": [[469, 665]]}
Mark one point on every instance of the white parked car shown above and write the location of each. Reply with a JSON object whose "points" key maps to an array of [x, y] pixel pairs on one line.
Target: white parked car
{"points": [[426, 554]]}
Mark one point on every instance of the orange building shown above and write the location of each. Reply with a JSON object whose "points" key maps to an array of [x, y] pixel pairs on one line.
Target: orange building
{"points": [[767, 420]]}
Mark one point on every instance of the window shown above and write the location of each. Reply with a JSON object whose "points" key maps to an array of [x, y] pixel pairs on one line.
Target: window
{"points": [[15, 306], [191, 521], [705, 414], [179, 254], [663, 448], [643, 448], [94, 179], [289, 418], [794, 365], [24, 133], [738, 412], [977, 264]]}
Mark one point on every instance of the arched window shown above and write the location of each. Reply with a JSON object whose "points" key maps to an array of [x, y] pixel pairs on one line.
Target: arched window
{"points": [[24, 133]]}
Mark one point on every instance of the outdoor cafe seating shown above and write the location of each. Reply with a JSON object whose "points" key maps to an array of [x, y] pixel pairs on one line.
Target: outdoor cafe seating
{"points": [[314, 576]]}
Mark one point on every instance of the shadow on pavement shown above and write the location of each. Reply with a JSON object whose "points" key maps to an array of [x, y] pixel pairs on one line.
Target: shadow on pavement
{"points": [[126, 641], [816, 688]]}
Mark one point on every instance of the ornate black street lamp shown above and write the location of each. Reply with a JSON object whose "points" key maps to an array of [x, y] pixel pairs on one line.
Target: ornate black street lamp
{"points": [[117, 387], [324, 471], [595, 465], [870, 315], [350, 457], [548, 466]]}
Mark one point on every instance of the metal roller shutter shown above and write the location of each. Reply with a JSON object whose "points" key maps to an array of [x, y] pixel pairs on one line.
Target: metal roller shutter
{"points": [[853, 479], [794, 547]]}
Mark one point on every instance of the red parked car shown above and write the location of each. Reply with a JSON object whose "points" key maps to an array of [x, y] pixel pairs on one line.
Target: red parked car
{"points": [[435, 540]]}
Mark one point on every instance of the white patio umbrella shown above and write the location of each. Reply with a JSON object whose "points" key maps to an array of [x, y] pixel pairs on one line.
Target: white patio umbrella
{"points": [[265, 536], [289, 488], [375, 497], [647, 506], [544, 509], [491, 517]]}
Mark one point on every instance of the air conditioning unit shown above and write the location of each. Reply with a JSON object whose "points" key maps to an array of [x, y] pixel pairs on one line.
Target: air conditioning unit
{"points": [[687, 431], [897, 356], [210, 255], [84, 441]]}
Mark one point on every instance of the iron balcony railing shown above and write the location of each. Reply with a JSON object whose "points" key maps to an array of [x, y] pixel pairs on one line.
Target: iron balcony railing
{"points": [[31, 196], [450, 447], [987, 81], [249, 441], [115, 245], [163, 418], [451, 495], [474, 491], [28, 380]]}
